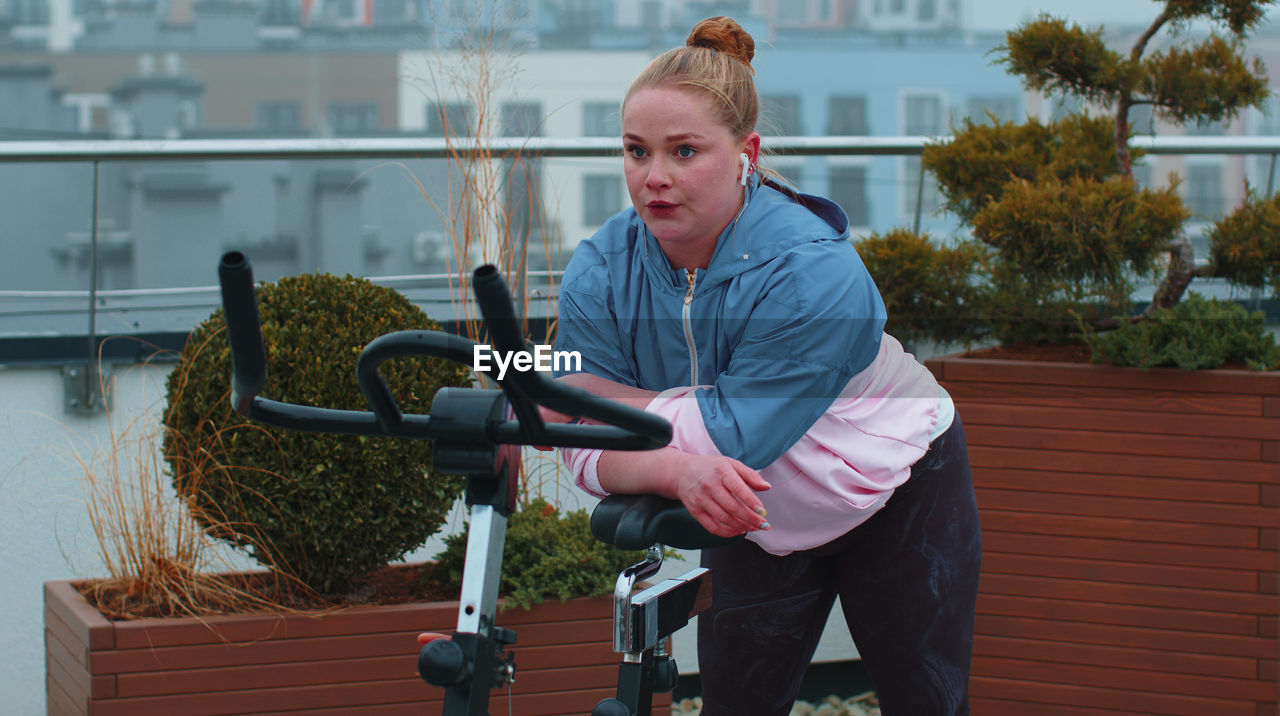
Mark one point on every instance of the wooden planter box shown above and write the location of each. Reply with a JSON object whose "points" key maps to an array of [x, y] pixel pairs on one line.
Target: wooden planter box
{"points": [[360, 660], [1131, 528]]}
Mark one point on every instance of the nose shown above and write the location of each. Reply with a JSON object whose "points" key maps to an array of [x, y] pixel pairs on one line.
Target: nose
{"points": [[657, 176]]}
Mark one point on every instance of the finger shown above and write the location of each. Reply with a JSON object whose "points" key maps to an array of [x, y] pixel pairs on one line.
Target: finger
{"points": [[736, 515], [743, 503], [714, 519]]}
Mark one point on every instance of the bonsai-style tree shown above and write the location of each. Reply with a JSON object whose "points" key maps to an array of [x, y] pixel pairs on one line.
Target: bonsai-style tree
{"points": [[1067, 230]]}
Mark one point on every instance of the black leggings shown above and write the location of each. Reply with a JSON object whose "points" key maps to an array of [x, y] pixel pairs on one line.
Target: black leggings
{"points": [[907, 580]]}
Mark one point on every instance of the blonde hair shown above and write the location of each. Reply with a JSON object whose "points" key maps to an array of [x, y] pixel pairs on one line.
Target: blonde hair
{"points": [[716, 61]]}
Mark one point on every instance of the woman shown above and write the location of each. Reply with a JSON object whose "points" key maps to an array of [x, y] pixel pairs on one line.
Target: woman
{"points": [[737, 309]]}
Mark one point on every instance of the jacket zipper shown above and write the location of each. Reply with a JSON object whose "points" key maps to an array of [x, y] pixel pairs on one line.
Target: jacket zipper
{"points": [[688, 330]]}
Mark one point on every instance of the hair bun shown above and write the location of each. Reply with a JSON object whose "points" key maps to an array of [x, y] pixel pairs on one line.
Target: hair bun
{"points": [[723, 34]]}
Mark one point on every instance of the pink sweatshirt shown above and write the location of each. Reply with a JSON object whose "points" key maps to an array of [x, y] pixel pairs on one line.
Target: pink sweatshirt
{"points": [[842, 470]]}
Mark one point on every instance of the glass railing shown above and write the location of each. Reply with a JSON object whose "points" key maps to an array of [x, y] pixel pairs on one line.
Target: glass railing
{"points": [[121, 237]]}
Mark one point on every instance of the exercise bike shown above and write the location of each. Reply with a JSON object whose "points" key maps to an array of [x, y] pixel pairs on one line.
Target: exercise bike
{"points": [[477, 433]]}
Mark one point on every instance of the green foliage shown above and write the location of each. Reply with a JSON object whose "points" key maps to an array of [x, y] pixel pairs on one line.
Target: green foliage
{"points": [[929, 291], [976, 166], [322, 508], [1206, 83], [1197, 333], [1243, 246], [1080, 230], [547, 554], [1068, 230], [1054, 58]]}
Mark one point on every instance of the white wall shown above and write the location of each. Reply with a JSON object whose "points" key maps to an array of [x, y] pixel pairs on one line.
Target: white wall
{"points": [[44, 528]]}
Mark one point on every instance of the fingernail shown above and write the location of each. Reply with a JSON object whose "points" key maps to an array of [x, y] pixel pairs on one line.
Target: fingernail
{"points": [[765, 525], [762, 511]]}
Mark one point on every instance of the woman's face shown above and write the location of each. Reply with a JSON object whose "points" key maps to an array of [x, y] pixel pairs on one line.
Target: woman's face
{"points": [[682, 167]]}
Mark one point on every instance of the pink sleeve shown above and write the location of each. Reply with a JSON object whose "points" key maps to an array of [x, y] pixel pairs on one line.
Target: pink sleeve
{"points": [[688, 433]]}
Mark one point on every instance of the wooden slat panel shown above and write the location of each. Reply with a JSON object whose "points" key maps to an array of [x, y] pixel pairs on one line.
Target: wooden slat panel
{"points": [[153, 633], [1117, 399], [1128, 551], [1120, 573], [1133, 679], [1076, 483], [71, 674], [59, 703], [1135, 420], [1232, 667], [529, 660], [278, 651], [1104, 441], [1153, 508], [1120, 614], [1138, 702], [1000, 707], [1093, 376], [1209, 471], [551, 686], [90, 627], [1105, 593], [1123, 529], [1134, 637]]}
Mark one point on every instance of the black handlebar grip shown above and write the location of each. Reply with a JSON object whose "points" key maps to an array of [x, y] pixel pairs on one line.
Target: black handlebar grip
{"points": [[244, 329], [495, 305]]}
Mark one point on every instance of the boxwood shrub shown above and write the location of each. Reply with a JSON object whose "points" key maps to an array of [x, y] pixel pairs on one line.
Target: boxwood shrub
{"points": [[324, 509]]}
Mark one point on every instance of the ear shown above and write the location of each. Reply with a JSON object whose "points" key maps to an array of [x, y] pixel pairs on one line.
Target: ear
{"points": [[751, 147]]}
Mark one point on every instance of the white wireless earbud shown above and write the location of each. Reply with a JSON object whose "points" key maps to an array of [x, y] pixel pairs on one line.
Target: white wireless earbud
{"points": [[746, 168]]}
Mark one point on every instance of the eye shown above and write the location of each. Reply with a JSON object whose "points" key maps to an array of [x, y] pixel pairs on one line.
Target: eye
{"points": [[684, 151], [636, 151]]}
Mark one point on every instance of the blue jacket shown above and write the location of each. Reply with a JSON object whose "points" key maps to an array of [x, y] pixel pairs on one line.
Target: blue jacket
{"points": [[775, 326]]}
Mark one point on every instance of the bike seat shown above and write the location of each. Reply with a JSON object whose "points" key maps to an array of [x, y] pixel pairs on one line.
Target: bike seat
{"points": [[634, 522]]}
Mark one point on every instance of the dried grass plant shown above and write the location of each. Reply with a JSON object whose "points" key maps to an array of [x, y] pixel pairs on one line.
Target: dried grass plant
{"points": [[482, 222], [159, 561]]}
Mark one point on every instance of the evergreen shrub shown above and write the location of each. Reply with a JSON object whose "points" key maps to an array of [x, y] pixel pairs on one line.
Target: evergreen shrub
{"points": [[324, 509], [547, 555]]}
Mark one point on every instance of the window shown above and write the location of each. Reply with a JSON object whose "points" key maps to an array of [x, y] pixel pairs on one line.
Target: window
{"points": [[847, 116], [1064, 106], [348, 117], [926, 10], [979, 108], [579, 15], [601, 119], [1142, 119], [601, 197], [1206, 129], [1204, 191], [521, 119], [923, 115], [849, 190], [281, 12], [793, 12], [279, 116], [393, 12], [29, 12], [781, 113], [452, 119]]}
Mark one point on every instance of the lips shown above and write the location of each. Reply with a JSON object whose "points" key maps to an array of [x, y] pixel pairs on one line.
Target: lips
{"points": [[661, 208]]}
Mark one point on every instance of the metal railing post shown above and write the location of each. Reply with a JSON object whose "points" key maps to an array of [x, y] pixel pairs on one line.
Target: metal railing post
{"points": [[84, 385]]}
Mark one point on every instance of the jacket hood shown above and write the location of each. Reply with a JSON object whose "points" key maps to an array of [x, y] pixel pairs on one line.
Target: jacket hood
{"points": [[772, 221]]}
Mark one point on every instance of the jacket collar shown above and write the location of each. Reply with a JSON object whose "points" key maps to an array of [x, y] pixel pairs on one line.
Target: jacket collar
{"points": [[772, 220]]}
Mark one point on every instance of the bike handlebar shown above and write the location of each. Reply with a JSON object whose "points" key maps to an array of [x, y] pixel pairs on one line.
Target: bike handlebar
{"points": [[625, 428]]}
